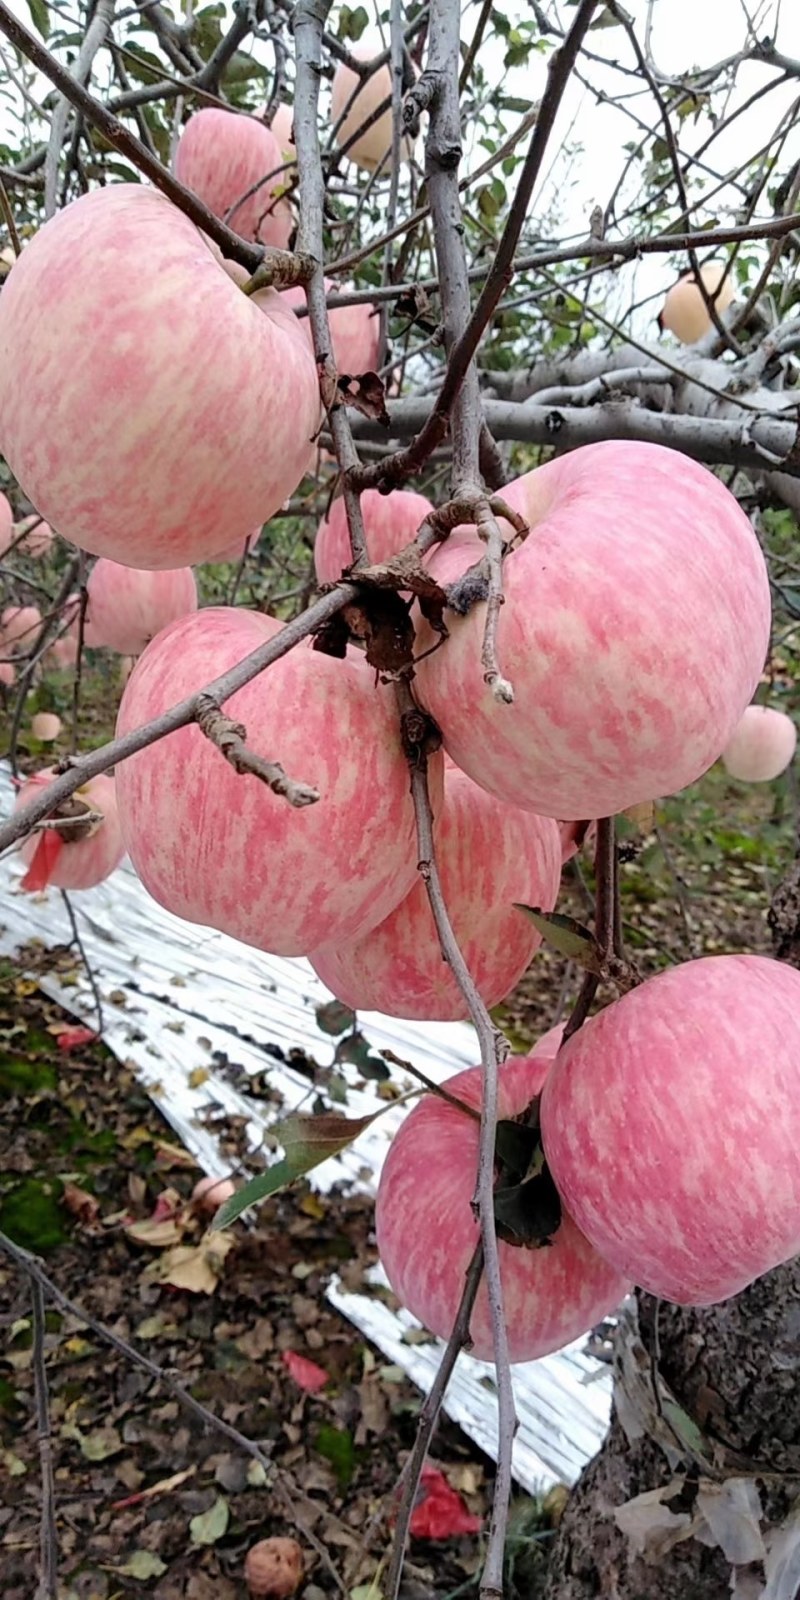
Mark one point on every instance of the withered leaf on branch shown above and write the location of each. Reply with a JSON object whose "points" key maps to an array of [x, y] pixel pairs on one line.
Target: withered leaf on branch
{"points": [[366, 394], [382, 621], [415, 303], [528, 1214]]}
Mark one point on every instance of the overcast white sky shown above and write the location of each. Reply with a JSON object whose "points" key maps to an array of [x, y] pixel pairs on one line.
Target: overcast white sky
{"points": [[684, 33]]}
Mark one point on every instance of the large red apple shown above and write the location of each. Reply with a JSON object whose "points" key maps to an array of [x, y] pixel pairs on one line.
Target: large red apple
{"points": [[763, 745], [222, 849], [222, 156], [127, 607], [196, 405], [355, 331], [391, 521], [427, 1232], [72, 858], [671, 1124], [634, 632], [490, 856]]}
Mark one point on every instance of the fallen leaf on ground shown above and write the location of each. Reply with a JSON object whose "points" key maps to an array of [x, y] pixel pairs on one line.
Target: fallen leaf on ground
{"points": [[440, 1513], [307, 1375], [196, 1268], [211, 1525]]}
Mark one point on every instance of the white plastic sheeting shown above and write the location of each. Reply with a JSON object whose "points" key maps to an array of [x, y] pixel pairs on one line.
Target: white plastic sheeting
{"points": [[176, 998]]}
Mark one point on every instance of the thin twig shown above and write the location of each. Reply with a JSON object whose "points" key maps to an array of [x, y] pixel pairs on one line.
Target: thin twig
{"points": [[93, 39], [426, 1424], [487, 528], [286, 268], [48, 1545], [87, 966], [493, 1049], [229, 738], [606, 870]]}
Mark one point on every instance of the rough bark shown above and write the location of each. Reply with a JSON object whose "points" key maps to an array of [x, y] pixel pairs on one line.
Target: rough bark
{"points": [[734, 1369]]}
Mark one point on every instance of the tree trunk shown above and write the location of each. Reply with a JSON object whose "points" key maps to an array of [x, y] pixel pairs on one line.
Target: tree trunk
{"points": [[733, 1369]]}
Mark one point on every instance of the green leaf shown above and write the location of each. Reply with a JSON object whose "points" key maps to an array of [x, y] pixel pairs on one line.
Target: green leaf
{"points": [[210, 1526], [334, 1018], [143, 1564], [336, 1445], [352, 22], [40, 16], [685, 1429], [566, 935], [307, 1141]]}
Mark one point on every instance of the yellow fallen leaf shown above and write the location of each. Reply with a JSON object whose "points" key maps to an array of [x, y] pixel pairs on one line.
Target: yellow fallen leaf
{"points": [[196, 1268], [197, 1076]]}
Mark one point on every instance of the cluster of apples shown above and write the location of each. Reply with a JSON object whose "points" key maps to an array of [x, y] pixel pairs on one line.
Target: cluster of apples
{"points": [[634, 632], [669, 1123]]}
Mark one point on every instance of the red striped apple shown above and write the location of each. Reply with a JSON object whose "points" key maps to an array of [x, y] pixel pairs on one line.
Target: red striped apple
{"points": [[223, 156], [427, 1232], [671, 1124], [391, 521], [128, 606], [634, 632], [355, 331], [222, 849], [196, 406], [490, 856], [762, 746], [73, 858]]}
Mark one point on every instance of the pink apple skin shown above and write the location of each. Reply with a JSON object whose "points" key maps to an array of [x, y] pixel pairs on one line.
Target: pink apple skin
{"points": [[8, 673], [82, 863], [6, 524], [221, 155], [671, 1123], [235, 551], [427, 1233], [19, 626], [282, 126], [127, 607], [151, 374], [355, 330], [391, 521], [224, 850], [38, 539], [550, 1043], [489, 856], [634, 632], [763, 745]]}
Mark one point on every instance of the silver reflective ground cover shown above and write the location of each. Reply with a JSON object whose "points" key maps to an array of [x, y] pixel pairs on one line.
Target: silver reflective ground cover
{"points": [[178, 997]]}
